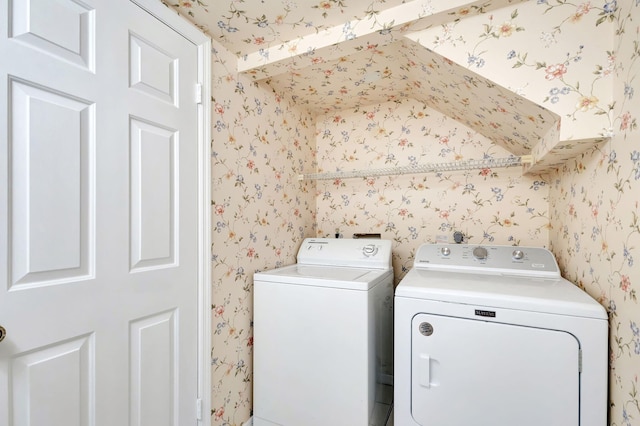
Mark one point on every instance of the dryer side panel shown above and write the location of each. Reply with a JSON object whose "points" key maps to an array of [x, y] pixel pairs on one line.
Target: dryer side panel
{"points": [[467, 372]]}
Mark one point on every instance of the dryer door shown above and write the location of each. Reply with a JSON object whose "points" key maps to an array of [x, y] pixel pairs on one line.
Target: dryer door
{"points": [[470, 372]]}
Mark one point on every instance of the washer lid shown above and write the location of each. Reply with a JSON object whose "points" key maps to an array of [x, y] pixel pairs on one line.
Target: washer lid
{"points": [[549, 295], [325, 276]]}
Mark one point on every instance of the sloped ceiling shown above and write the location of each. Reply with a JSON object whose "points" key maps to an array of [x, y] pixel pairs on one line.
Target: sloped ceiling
{"points": [[332, 55], [405, 69], [246, 26]]}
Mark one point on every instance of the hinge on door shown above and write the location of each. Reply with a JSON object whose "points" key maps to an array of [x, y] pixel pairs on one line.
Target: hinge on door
{"points": [[579, 361], [198, 93], [198, 409]]}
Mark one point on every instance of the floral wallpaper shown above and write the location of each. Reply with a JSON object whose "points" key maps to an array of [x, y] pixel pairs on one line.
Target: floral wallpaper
{"points": [[260, 214], [567, 73], [376, 61], [411, 71], [490, 206], [595, 205], [376, 24], [247, 26], [578, 61]]}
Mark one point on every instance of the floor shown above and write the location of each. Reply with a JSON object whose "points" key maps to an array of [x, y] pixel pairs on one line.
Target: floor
{"points": [[382, 411]]}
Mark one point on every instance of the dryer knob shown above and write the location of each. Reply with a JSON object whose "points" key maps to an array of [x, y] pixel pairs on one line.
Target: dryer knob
{"points": [[480, 253], [517, 255]]}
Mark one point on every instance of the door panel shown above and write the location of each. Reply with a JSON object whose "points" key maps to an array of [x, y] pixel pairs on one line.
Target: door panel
{"points": [[467, 372], [40, 146], [154, 215], [152, 70], [63, 368], [154, 384], [69, 37], [99, 200]]}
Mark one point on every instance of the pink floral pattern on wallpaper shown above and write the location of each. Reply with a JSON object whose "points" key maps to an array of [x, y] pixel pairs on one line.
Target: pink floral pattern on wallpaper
{"points": [[410, 71], [579, 60], [280, 21], [260, 213], [489, 206], [568, 74]]}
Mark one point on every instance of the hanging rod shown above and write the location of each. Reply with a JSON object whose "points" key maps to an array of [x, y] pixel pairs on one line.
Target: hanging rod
{"points": [[423, 168]]}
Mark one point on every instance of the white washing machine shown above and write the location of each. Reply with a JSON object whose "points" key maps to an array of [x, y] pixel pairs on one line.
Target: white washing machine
{"points": [[323, 334], [494, 336]]}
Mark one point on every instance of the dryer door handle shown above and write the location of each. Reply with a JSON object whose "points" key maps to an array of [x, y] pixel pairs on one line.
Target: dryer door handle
{"points": [[424, 370]]}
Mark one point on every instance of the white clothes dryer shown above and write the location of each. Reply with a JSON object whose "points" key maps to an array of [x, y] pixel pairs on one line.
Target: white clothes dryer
{"points": [[494, 336], [323, 334]]}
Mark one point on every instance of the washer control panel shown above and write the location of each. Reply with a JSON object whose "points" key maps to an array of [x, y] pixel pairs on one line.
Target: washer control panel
{"points": [[360, 252], [488, 258]]}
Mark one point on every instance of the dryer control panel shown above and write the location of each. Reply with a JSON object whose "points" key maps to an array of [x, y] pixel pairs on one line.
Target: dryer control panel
{"points": [[512, 260], [358, 253]]}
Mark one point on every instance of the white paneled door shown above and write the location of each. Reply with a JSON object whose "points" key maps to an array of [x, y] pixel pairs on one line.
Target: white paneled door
{"points": [[99, 216]]}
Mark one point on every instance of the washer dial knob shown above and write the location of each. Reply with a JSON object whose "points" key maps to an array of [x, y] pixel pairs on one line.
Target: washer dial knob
{"points": [[480, 253], [369, 250], [445, 251]]}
